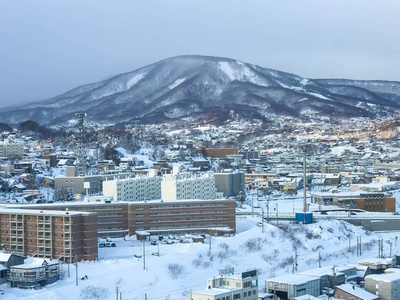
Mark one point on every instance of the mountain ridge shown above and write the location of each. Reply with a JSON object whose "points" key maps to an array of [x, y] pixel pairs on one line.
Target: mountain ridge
{"points": [[188, 88]]}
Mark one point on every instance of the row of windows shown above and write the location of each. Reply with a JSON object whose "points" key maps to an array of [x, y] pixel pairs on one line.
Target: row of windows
{"points": [[188, 205], [168, 213], [109, 221], [91, 208], [187, 219], [205, 225], [110, 228], [110, 215]]}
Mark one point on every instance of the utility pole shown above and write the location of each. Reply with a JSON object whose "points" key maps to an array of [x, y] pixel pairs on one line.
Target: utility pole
{"points": [[295, 259], [277, 215], [304, 183], [80, 153], [144, 255], [252, 206], [349, 243], [116, 292], [319, 259], [262, 220], [76, 275], [360, 246], [210, 235], [268, 208]]}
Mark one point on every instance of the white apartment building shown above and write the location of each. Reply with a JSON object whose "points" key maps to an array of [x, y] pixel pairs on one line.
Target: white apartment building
{"points": [[137, 188], [181, 185], [11, 148]]}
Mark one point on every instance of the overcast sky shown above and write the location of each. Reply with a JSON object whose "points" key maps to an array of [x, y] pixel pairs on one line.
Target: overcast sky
{"points": [[49, 47]]}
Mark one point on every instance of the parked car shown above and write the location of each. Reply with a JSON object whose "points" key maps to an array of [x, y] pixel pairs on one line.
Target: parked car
{"points": [[153, 242], [113, 245], [137, 255], [164, 242], [155, 254], [102, 245], [108, 240], [160, 237], [108, 244], [169, 242]]}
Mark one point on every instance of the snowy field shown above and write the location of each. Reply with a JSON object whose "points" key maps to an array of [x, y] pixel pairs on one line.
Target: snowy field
{"points": [[182, 267]]}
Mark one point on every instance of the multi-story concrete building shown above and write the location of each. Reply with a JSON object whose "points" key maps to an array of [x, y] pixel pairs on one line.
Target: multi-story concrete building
{"points": [[386, 286], [11, 148], [218, 152], [180, 217], [65, 235], [252, 177], [232, 286], [75, 184], [117, 219], [229, 183], [181, 185], [138, 188]]}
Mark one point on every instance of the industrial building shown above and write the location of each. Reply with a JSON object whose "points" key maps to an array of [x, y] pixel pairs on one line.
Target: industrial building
{"points": [[332, 276], [291, 286], [369, 201]]}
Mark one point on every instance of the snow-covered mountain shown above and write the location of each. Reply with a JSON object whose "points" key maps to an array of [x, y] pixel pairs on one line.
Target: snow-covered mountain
{"points": [[193, 88]]}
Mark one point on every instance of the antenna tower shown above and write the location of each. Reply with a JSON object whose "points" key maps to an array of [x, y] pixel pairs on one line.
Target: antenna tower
{"points": [[80, 154]]}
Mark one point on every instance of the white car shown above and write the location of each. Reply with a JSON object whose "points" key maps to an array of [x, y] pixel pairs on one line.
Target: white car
{"points": [[137, 255]]}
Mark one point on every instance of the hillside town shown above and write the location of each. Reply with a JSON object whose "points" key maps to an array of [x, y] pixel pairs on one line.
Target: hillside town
{"points": [[79, 195]]}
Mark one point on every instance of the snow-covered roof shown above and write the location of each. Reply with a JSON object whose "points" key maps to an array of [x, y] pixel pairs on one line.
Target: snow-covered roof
{"points": [[325, 271], [385, 277], [293, 279], [35, 212], [4, 256], [356, 291], [31, 263], [217, 291], [376, 261], [306, 297]]}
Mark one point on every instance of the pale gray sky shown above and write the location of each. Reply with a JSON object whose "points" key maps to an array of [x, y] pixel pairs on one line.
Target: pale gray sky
{"points": [[49, 47]]}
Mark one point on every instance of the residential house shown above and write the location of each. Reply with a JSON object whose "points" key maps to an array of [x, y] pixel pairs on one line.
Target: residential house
{"points": [[39, 272]]}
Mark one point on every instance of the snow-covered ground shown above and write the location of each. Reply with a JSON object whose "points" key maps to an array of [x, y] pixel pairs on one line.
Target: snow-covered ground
{"points": [[183, 267]]}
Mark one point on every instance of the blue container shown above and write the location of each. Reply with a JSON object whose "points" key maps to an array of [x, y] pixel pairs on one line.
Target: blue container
{"points": [[305, 218]]}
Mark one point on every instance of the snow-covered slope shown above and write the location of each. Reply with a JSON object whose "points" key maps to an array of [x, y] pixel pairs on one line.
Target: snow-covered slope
{"points": [[190, 88], [184, 267]]}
